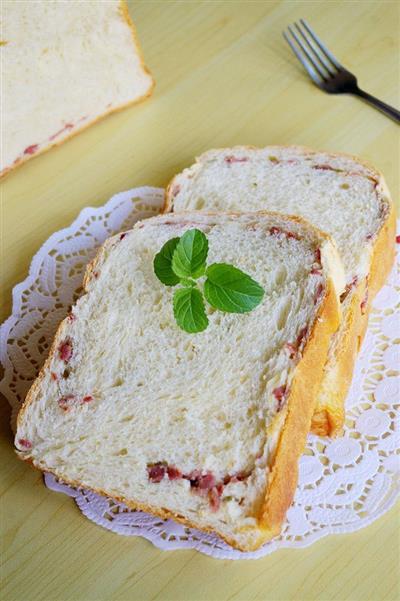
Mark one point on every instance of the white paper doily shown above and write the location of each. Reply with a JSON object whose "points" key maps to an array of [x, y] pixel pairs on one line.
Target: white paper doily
{"points": [[344, 484]]}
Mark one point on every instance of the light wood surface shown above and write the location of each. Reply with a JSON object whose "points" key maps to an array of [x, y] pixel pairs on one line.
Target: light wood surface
{"points": [[224, 76]]}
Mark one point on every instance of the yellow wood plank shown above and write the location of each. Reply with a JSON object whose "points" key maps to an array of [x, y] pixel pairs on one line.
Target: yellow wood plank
{"points": [[224, 76]]}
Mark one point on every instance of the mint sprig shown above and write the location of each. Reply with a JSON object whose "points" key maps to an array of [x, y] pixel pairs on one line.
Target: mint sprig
{"points": [[227, 288]]}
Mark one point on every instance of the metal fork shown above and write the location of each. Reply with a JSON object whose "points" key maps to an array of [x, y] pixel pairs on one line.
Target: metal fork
{"points": [[326, 71]]}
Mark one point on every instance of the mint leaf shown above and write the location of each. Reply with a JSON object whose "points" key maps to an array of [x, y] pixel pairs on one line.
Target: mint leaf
{"points": [[187, 282], [189, 310], [163, 263], [189, 259], [229, 289]]}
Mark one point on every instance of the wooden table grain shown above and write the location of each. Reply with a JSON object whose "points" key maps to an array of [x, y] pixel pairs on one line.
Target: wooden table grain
{"points": [[224, 76]]}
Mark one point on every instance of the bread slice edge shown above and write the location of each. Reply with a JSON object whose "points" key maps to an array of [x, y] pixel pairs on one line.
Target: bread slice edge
{"points": [[123, 8], [280, 489]]}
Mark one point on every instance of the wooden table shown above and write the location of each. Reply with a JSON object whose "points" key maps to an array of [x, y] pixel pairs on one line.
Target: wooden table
{"points": [[224, 76]]}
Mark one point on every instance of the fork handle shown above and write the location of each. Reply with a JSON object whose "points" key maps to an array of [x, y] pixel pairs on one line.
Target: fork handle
{"points": [[382, 106]]}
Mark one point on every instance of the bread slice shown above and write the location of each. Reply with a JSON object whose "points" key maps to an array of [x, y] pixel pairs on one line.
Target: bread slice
{"points": [[340, 195], [65, 65], [205, 428]]}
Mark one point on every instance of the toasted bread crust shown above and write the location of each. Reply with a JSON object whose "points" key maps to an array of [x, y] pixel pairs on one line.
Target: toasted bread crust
{"points": [[301, 401], [328, 419], [123, 8]]}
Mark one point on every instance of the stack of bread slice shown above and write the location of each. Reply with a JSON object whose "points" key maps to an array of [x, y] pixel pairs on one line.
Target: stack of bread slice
{"points": [[341, 196], [208, 428]]}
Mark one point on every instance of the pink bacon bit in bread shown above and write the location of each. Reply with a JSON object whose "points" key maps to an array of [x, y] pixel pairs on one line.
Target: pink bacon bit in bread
{"points": [[280, 395], [398, 239], [214, 497], [323, 167], [71, 317], [31, 149], [317, 256], [348, 288], [65, 350], [326, 167], [277, 231], [205, 483], [53, 376], [238, 477], [156, 471], [173, 473], [25, 443], [301, 337], [232, 159], [219, 487], [318, 293], [291, 350], [67, 401], [193, 476], [66, 127]]}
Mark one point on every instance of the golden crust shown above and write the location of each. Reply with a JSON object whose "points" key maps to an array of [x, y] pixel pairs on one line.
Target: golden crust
{"points": [[328, 418], [283, 480], [123, 8], [329, 415]]}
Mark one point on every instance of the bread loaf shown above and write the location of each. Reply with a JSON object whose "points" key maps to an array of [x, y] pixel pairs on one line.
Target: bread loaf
{"points": [[340, 195], [205, 428], [65, 65]]}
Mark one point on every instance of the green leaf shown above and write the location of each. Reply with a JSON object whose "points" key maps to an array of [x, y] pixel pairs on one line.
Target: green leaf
{"points": [[189, 310], [189, 260], [163, 263], [229, 289], [187, 282]]}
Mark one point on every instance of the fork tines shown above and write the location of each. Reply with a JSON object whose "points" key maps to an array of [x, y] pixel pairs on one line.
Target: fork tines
{"points": [[315, 57]]}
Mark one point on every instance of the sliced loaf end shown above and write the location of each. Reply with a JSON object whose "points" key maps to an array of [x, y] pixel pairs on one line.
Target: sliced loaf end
{"points": [[89, 65]]}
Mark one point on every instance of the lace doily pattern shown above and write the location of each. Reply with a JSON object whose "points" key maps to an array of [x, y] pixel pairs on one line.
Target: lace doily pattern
{"points": [[344, 484]]}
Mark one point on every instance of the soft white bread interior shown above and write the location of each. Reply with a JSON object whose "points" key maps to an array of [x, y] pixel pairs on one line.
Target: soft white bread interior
{"points": [[206, 428], [64, 65], [340, 195]]}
